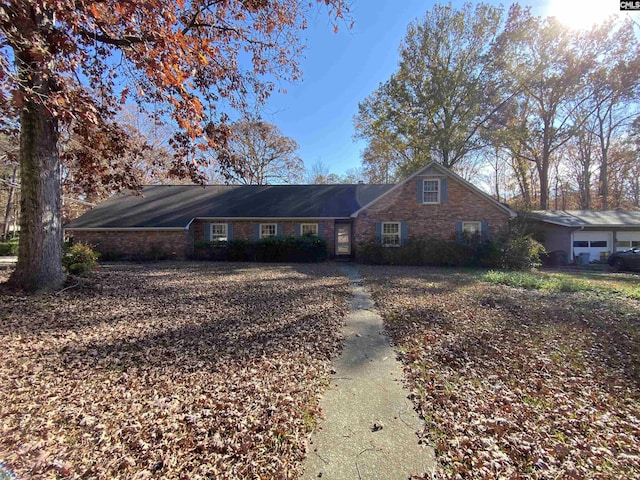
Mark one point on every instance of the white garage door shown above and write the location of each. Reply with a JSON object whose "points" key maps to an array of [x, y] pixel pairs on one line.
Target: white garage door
{"points": [[626, 240], [593, 243]]}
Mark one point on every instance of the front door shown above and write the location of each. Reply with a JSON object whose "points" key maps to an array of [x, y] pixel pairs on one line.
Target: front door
{"points": [[343, 239]]}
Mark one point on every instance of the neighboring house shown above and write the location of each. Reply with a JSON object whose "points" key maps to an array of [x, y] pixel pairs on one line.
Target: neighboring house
{"points": [[433, 202], [595, 234]]}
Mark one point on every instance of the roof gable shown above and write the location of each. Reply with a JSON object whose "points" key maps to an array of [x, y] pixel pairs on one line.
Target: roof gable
{"points": [[434, 169]]}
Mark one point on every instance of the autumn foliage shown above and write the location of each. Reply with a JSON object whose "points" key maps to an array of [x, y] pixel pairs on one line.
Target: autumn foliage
{"points": [[190, 63]]}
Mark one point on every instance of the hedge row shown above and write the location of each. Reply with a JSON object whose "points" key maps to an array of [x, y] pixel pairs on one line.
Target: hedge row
{"points": [[308, 248], [506, 251]]}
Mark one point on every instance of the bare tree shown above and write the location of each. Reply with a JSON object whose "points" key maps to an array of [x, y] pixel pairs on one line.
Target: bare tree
{"points": [[262, 155]]}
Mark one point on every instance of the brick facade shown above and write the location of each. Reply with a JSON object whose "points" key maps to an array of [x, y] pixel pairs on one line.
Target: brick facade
{"points": [[426, 220], [174, 244], [457, 201]]}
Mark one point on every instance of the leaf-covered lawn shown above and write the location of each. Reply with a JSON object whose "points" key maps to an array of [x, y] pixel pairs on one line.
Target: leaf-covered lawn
{"points": [[169, 371], [515, 383]]}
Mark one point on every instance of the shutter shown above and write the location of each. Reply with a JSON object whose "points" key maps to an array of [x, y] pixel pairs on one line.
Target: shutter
{"points": [[298, 229], [484, 230], [229, 232], [459, 231], [420, 191], [279, 229], [319, 229], [404, 233], [256, 231], [207, 232], [379, 233], [444, 194]]}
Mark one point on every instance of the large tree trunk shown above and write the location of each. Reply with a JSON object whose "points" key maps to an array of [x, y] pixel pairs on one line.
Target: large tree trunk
{"points": [[604, 179], [40, 248], [8, 210]]}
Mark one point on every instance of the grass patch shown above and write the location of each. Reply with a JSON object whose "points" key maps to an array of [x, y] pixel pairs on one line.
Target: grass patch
{"points": [[566, 282]]}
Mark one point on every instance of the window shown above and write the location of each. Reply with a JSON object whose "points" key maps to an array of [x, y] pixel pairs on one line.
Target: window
{"points": [[219, 232], [471, 228], [592, 243], [390, 234], [309, 229], [431, 191], [623, 245], [268, 230]]}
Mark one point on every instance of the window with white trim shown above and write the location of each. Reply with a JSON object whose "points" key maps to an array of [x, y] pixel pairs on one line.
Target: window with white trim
{"points": [[219, 232], [268, 230], [431, 191], [391, 234], [471, 228], [309, 229]]}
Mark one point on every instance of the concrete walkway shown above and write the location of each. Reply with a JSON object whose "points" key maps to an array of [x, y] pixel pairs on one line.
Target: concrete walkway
{"points": [[369, 426]]}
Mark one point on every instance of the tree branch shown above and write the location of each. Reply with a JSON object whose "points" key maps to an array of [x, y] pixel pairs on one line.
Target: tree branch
{"points": [[126, 41]]}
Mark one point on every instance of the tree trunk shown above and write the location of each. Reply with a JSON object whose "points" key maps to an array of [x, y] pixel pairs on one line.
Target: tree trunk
{"points": [[8, 210], [543, 176], [604, 179], [40, 248]]}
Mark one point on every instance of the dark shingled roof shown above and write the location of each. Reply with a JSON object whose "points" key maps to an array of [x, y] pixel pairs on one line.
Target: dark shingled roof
{"points": [[174, 206], [589, 218]]}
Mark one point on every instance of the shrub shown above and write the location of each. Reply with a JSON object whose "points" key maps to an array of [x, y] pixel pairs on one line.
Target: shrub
{"points": [[511, 250], [205, 250], [240, 250], [9, 248], [308, 248], [515, 250], [521, 253], [431, 251], [79, 258]]}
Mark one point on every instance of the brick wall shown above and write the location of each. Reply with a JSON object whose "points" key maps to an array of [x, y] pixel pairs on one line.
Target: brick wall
{"points": [[244, 230], [425, 221], [173, 244]]}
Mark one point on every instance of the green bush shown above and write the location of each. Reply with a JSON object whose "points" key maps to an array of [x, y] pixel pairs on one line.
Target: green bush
{"points": [[522, 253], [513, 249], [430, 251], [79, 258], [510, 250], [308, 248], [240, 251], [9, 249], [205, 250]]}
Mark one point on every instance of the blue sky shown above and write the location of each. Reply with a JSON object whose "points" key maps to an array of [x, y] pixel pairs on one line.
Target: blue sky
{"points": [[342, 69]]}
